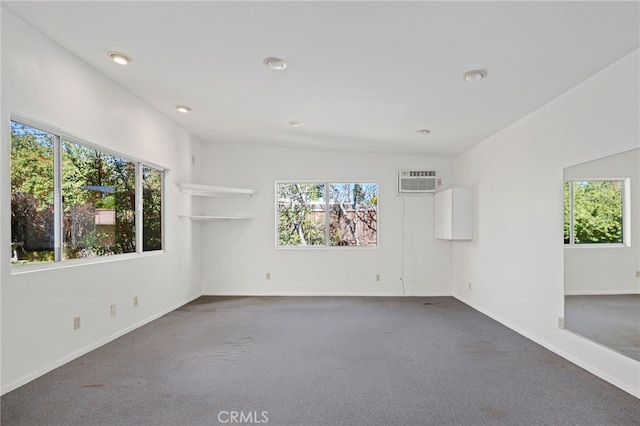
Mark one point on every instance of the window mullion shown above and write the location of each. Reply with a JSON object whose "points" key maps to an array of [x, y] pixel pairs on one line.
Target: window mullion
{"points": [[571, 214], [57, 199], [327, 216], [138, 208], [162, 204]]}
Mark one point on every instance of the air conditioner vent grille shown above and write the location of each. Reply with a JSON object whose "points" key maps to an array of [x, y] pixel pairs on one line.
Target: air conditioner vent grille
{"points": [[417, 182]]}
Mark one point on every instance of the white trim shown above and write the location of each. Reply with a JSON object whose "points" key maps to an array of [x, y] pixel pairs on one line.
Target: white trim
{"points": [[197, 189], [73, 263], [315, 294], [138, 211], [140, 235], [163, 205], [614, 381], [572, 218], [59, 137], [205, 218], [58, 212], [78, 353], [603, 246], [600, 292], [327, 199], [326, 247], [626, 213]]}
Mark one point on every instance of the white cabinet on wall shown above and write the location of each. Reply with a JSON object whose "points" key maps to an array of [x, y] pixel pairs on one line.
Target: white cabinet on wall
{"points": [[453, 214], [196, 189]]}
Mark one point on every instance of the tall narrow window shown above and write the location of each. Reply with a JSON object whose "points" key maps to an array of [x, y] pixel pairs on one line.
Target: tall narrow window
{"points": [[303, 220], [594, 212], [32, 195], [151, 208]]}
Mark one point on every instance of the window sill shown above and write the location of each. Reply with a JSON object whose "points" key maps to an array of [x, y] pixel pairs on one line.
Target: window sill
{"points": [[336, 248], [591, 246], [74, 263]]}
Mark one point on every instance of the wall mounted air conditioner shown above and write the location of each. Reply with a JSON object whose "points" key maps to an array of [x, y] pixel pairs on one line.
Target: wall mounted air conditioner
{"points": [[417, 181]]}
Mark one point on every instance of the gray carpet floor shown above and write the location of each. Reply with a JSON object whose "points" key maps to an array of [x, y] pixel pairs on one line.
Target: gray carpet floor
{"points": [[320, 361], [611, 320]]}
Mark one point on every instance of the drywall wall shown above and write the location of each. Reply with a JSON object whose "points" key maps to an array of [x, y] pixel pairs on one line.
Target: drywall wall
{"points": [[515, 262], [237, 255], [607, 270], [44, 82]]}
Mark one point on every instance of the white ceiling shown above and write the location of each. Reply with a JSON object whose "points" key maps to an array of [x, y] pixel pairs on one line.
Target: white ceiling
{"points": [[362, 76]]}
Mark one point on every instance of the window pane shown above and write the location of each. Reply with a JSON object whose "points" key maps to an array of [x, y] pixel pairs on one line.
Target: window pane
{"points": [[151, 209], [301, 214], [98, 199], [353, 214], [597, 212], [32, 187]]}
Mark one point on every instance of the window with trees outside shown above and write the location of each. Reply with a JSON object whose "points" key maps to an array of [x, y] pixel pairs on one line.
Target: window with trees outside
{"points": [[71, 201], [594, 212], [327, 214]]}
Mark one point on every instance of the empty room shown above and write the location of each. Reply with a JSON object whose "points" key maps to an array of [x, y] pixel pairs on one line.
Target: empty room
{"points": [[320, 213]]}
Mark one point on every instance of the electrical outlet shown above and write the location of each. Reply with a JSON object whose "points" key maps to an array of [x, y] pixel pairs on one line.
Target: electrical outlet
{"points": [[439, 182], [561, 323], [268, 275], [113, 310], [469, 285], [135, 301], [76, 323], [378, 277]]}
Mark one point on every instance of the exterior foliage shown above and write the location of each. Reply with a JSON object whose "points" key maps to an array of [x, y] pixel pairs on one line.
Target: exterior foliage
{"points": [[327, 214], [98, 199], [301, 214], [597, 212], [32, 192], [151, 209]]}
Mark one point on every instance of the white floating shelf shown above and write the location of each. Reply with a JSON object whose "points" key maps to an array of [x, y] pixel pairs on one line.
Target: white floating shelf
{"points": [[203, 218], [212, 191]]}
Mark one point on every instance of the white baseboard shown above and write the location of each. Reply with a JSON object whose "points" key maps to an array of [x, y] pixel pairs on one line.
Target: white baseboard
{"points": [[60, 362], [301, 294], [593, 370], [600, 292]]}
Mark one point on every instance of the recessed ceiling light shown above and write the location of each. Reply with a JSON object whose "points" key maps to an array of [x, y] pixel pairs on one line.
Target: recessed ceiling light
{"points": [[275, 63], [296, 123], [423, 131], [120, 58], [475, 75], [183, 109]]}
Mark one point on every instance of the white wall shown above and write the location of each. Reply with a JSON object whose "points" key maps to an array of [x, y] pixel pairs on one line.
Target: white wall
{"points": [[44, 82], [237, 255], [612, 269], [515, 262]]}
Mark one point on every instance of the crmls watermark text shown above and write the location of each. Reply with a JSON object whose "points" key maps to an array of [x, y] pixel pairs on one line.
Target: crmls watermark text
{"points": [[242, 417]]}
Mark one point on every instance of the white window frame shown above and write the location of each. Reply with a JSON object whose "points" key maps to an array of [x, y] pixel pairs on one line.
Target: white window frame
{"points": [[326, 245], [626, 214], [60, 135], [140, 206]]}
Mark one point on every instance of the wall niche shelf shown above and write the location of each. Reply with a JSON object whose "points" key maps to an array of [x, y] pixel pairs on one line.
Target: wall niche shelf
{"points": [[208, 218], [200, 190]]}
